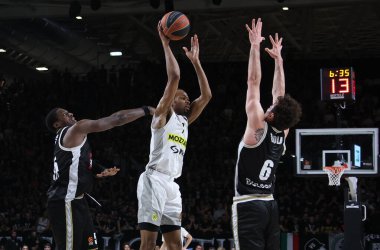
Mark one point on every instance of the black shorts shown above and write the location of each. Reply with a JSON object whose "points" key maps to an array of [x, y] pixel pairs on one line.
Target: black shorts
{"points": [[255, 225], [72, 225]]}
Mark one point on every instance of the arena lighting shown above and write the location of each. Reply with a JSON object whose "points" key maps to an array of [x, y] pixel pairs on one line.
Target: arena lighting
{"points": [[42, 69], [75, 8], [154, 3], [216, 2], [3, 50], [79, 17], [285, 8], [96, 4], [116, 53], [169, 5]]}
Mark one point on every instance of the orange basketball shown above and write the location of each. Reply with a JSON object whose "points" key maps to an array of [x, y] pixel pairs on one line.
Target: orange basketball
{"points": [[175, 25]]}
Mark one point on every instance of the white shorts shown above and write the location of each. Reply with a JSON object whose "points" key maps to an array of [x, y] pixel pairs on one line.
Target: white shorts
{"points": [[160, 201]]}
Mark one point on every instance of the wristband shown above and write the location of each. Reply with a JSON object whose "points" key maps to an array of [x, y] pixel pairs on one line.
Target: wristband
{"points": [[146, 110]]}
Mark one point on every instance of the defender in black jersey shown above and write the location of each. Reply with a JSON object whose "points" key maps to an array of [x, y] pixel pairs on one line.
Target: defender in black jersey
{"points": [[73, 174], [254, 210]]}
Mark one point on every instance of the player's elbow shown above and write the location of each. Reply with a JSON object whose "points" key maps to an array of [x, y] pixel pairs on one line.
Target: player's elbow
{"points": [[254, 81], [207, 96], [250, 106], [204, 99], [117, 119], [277, 93], [174, 76]]}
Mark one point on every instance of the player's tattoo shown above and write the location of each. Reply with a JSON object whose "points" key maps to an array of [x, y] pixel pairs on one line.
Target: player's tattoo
{"points": [[259, 133]]}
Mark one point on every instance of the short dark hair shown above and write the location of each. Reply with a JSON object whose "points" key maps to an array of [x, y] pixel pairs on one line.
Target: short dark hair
{"points": [[50, 119], [287, 113]]}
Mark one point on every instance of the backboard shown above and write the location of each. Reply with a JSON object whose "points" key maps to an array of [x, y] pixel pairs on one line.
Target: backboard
{"points": [[356, 147]]}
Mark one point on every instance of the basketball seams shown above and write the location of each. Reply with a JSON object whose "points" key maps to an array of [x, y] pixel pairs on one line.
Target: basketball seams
{"points": [[172, 17], [175, 25], [181, 23], [182, 32]]}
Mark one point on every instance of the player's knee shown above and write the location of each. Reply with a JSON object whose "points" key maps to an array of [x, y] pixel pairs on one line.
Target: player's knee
{"points": [[148, 244]]}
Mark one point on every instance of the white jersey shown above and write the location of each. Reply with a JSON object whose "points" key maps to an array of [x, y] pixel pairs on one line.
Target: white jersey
{"points": [[168, 145], [184, 234]]}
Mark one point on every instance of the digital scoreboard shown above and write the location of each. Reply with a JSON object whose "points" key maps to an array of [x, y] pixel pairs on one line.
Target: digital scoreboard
{"points": [[338, 84]]}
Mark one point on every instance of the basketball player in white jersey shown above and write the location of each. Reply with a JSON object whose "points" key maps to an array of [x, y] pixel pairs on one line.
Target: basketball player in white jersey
{"points": [[160, 203], [254, 210]]}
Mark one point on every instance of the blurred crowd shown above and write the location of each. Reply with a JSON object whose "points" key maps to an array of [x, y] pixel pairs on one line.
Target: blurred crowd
{"points": [[307, 205]]}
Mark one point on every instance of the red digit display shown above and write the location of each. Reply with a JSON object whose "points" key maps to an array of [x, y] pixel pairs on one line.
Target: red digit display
{"points": [[333, 86], [338, 84], [344, 85]]}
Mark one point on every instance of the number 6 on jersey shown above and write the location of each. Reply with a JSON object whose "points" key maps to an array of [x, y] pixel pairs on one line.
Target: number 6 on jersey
{"points": [[266, 170]]}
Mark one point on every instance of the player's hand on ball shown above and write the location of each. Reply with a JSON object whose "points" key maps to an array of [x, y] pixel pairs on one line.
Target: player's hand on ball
{"points": [[163, 38], [108, 172]]}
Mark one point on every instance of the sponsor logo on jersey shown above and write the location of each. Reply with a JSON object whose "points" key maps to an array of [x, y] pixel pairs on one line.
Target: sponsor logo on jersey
{"points": [[249, 182], [154, 216], [177, 150], [177, 139], [276, 139]]}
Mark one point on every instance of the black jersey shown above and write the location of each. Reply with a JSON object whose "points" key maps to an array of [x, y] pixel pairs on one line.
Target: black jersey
{"points": [[72, 173], [256, 165]]}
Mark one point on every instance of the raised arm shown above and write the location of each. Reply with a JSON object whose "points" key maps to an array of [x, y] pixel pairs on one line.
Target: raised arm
{"points": [[173, 72], [278, 88], [255, 113], [80, 129], [200, 103]]}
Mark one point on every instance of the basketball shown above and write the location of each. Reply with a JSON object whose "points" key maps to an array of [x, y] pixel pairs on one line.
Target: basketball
{"points": [[175, 25]]}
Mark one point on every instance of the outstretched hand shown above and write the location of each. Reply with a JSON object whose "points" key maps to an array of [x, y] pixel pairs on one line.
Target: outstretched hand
{"points": [[254, 32], [193, 53], [108, 172], [164, 39], [275, 51]]}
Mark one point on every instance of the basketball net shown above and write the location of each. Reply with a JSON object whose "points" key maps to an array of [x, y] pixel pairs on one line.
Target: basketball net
{"points": [[335, 173]]}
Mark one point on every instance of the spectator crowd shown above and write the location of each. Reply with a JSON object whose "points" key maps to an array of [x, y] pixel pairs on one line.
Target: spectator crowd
{"points": [[307, 205]]}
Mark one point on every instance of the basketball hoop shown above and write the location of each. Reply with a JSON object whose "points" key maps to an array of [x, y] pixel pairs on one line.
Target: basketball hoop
{"points": [[335, 173]]}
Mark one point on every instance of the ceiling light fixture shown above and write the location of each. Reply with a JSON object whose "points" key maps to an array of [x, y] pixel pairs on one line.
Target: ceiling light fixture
{"points": [[3, 50], [116, 53], [285, 8], [42, 69]]}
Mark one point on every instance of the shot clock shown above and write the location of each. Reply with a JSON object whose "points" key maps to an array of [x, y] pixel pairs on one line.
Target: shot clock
{"points": [[338, 84]]}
